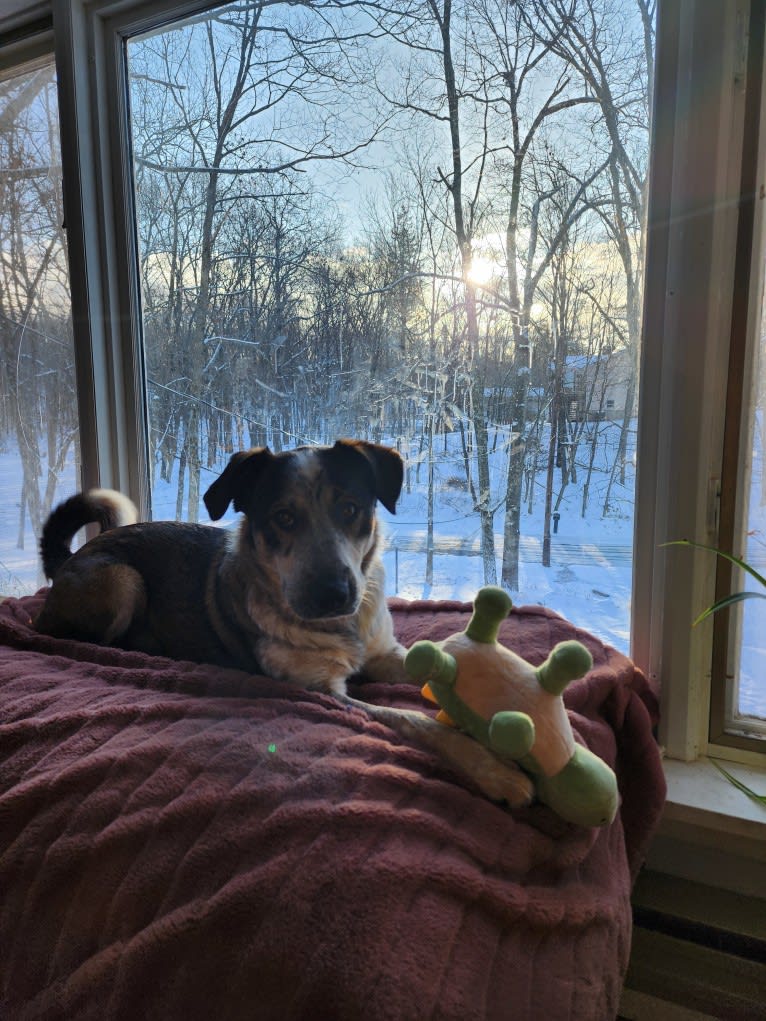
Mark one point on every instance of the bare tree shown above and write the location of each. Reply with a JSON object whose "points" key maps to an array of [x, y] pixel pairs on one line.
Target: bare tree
{"points": [[39, 406], [435, 87], [518, 76], [218, 109], [616, 66]]}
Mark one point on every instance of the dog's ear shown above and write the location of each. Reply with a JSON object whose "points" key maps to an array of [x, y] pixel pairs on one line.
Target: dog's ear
{"points": [[238, 476], [387, 467]]}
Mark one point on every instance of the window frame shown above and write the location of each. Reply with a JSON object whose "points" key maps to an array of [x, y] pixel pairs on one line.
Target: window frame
{"points": [[692, 236], [26, 35], [694, 291], [98, 199], [102, 248], [747, 323]]}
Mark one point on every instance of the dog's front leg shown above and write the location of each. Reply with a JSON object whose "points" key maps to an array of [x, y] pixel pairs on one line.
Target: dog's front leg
{"points": [[388, 667], [498, 780]]}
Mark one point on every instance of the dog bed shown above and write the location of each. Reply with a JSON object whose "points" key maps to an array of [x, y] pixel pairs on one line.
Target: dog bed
{"points": [[179, 841]]}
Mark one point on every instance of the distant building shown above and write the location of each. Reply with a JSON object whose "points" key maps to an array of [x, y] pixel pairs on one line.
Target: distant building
{"points": [[595, 388], [597, 385]]}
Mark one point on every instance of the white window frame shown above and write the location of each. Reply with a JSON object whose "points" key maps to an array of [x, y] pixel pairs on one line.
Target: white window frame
{"points": [[710, 832], [688, 295], [692, 233], [688, 307]]}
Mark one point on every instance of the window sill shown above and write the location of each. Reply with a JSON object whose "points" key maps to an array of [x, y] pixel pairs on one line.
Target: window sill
{"points": [[700, 794], [711, 832]]}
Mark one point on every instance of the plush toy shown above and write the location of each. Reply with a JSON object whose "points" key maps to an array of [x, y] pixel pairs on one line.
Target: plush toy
{"points": [[516, 710]]}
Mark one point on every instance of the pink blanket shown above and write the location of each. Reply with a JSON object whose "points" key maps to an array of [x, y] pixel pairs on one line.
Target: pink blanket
{"points": [[179, 841]]}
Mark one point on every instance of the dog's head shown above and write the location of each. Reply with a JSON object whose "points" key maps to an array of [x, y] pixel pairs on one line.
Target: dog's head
{"points": [[311, 518]]}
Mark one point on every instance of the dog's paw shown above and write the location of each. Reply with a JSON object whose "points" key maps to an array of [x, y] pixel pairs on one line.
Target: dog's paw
{"points": [[388, 668]]}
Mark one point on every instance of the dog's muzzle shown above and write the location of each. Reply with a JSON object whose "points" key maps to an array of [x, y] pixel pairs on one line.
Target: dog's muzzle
{"points": [[328, 595]]}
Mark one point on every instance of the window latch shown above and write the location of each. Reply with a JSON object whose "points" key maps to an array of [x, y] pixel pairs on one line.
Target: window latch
{"points": [[713, 506]]}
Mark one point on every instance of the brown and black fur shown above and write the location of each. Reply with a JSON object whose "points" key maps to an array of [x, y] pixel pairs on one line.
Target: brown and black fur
{"points": [[297, 592]]}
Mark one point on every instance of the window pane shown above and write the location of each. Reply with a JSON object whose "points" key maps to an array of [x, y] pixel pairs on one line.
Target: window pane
{"points": [[39, 460], [748, 696], [347, 229]]}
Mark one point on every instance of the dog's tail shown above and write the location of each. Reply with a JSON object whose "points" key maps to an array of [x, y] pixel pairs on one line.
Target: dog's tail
{"points": [[105, 507]]}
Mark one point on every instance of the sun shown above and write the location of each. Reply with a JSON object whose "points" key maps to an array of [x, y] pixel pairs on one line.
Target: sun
{"points": [[482, 270]]}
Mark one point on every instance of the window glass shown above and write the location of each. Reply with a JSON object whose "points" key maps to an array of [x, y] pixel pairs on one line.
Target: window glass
{"points": [[747, 699], [39, 459], [738, 690], [419, 224]]}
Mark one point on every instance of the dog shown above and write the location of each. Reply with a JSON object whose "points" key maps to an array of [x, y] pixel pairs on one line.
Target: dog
{"points": [[296, 592]]}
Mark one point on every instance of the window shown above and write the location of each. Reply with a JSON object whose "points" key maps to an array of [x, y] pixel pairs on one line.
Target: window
{"points": [[741, 643], [314, 261], [269, 252], [39, 455], [739, 649], [698, 243]]}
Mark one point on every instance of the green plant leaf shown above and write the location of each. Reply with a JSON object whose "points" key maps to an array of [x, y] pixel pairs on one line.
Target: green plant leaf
{"points": [[720, 553], [759, 799], [721, 604]]}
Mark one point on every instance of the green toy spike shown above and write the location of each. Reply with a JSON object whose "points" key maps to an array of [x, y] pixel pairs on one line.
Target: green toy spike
{"points": [[429, 662], [567, 662], [491, 606], [511, 734]]}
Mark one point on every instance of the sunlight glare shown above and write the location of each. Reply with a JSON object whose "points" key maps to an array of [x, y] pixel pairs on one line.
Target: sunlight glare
{"points": [[482, 270]]}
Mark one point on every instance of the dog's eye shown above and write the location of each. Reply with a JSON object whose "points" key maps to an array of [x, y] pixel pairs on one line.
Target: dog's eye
{"points": [[349, 510], [285, 520]]}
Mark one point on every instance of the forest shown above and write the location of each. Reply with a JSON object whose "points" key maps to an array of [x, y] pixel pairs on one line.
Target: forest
{"points": [[416, 222]]}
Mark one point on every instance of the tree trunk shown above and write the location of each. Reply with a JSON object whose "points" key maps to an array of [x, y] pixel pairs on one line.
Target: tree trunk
{"points": [[180, 490], [512, 522], [486, 514], [193, 463], [552, 444], [430, 519], [22, 512]]}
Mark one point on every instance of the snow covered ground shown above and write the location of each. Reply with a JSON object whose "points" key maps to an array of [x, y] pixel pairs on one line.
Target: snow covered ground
{"points": [[589, 580], [590, 576]]}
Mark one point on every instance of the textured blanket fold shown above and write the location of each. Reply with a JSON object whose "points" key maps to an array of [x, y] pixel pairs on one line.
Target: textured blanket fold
{"points": [[179, 841]]}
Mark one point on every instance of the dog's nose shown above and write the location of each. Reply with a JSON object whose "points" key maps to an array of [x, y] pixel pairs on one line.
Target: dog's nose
{"points": [[333, 596]]}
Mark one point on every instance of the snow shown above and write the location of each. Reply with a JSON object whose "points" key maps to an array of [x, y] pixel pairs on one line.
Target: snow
{"points": [[589, 580]]}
